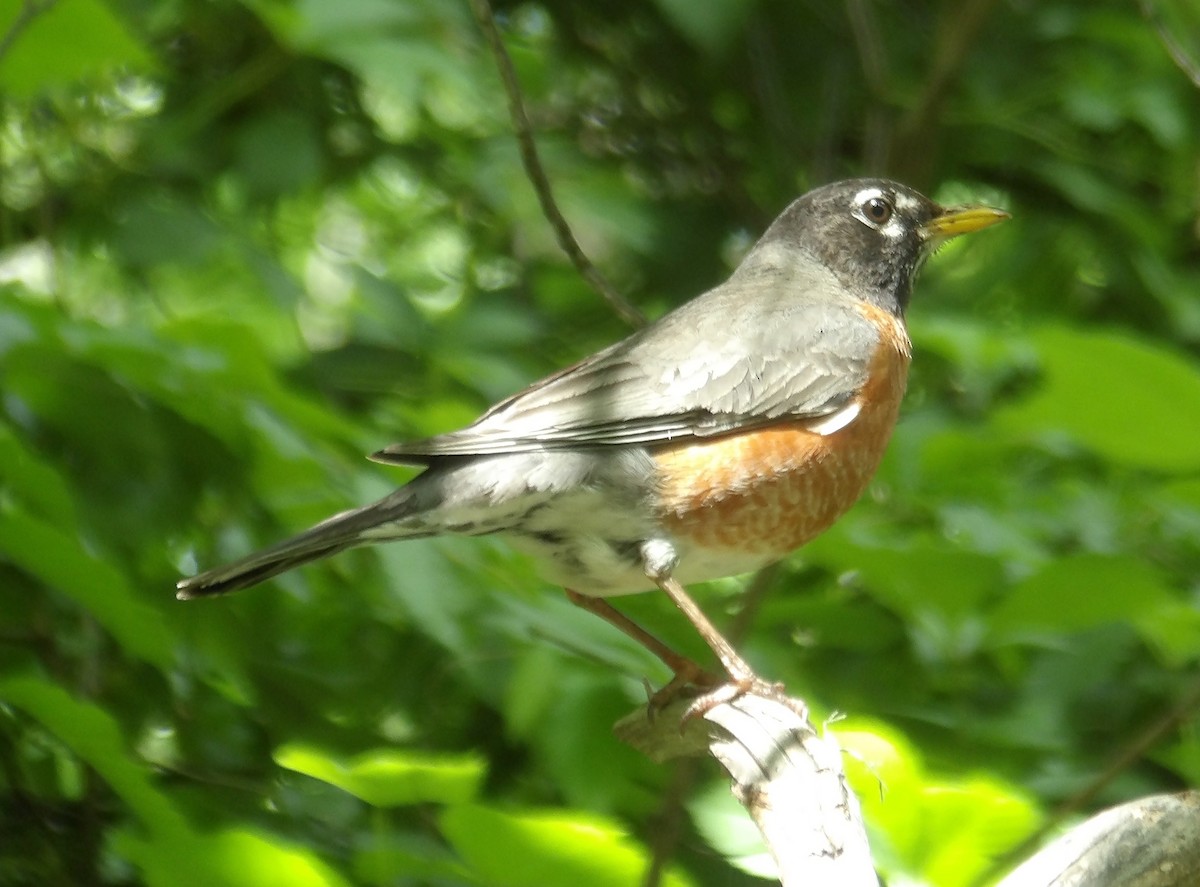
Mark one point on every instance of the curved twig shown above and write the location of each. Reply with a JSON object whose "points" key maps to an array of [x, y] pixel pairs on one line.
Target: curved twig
{"points": [[1180, 712], [537, 173], [1183, 61]]}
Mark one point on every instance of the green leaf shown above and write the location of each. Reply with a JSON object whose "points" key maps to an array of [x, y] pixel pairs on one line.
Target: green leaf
{"points": [[92, 734], [155, 230], [713, 25], [1182, 756], [552, 849], [727, 828], [231, 857], [33, 481], [56, 558], [278, 153], [1173, 630], [975, 821], [1077, 593], [1123, 398], [71, 40], [937, 588], [391, 777], [887, 775], [235, 857], [387, 858], [1080, 592], [1179, 24], [947, 832]]}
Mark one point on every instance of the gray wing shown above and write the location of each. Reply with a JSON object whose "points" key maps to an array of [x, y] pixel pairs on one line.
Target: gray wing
{"points": [[742, 355]]}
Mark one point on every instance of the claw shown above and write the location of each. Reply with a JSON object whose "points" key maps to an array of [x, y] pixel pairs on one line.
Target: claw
{"points": [[734, 690], [688, 681]]}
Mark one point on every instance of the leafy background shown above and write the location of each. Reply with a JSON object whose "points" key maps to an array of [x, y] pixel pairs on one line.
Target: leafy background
{"points": [[244, 243]]}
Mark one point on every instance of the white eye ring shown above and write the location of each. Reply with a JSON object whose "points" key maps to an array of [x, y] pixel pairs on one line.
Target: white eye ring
{"points": [[877, 210]]}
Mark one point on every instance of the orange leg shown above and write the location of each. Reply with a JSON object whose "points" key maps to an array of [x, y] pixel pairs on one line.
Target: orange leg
{"points": [[685, 670], [742, 678]]}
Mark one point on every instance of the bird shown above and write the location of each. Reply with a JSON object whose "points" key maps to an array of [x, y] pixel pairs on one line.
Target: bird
{"points": [[709, 443]]}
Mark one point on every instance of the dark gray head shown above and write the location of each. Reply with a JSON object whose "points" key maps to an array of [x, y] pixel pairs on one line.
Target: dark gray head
{"points": [[874, 234]]}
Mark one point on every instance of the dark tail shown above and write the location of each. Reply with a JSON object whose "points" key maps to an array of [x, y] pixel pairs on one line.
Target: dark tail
{"points": [[342, 531]]}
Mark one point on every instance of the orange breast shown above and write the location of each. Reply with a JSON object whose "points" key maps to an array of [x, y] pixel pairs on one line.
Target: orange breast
{"points": [[771, 490]]}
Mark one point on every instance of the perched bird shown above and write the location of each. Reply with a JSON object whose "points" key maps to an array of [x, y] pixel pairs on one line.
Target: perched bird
{"points": [[712, 442]]}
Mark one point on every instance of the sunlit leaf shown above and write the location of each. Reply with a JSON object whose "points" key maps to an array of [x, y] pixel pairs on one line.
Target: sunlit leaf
{"points": [[887, 775], [391, 777], [547, 849], [974, 820], [233, 857], [729, 830], [64, 42]]}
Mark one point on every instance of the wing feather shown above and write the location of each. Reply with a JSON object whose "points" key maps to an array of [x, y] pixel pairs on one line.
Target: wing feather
{"points": [[747, 354]]}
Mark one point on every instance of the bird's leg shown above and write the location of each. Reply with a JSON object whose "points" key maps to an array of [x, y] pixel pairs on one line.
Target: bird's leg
{"points": [[742, 678], [659, 560], [685, 670], [737, 668]]}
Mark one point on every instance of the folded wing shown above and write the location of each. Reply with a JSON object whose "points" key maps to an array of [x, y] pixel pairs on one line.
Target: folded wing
{"points": [[806, 361]]}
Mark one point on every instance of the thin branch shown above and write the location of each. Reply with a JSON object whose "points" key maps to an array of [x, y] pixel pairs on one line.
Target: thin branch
{"points": [[751, 600], [914, 149], [537, 173], [668, 821], [872, 53], [1185, 62], [30, 10], [1128, 756], [1131, 754]]}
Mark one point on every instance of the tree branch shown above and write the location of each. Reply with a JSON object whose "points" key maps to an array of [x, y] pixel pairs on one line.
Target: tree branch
{"points": [[1151, 842], [1183, 61], [1181, 711], [914, 149], [537, 173], [789, 779]]}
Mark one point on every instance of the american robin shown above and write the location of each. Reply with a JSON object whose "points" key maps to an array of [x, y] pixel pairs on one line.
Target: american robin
{"points": [[712, 442]]}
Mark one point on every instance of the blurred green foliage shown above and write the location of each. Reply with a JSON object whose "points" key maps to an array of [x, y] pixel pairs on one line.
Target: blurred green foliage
{"points": [[244, 243]]}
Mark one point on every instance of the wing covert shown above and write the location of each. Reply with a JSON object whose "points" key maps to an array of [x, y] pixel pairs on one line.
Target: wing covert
{"points": [[714, 366]]}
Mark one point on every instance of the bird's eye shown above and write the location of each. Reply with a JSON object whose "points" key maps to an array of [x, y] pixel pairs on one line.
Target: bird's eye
{"points": [[878, 210]]}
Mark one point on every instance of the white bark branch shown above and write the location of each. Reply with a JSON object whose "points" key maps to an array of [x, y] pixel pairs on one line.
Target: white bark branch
{"points": [[791, 782], [788, 777]]}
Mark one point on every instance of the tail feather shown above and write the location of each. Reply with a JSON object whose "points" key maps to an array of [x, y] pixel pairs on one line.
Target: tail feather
{"points": [[342, 531]]}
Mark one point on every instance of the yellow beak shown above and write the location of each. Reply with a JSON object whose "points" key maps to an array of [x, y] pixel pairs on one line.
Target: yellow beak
{"points": [[962, 220]]}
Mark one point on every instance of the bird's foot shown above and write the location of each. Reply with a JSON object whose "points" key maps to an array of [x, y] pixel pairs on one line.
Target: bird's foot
{"points": [[735, 688], [689, 680]]}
